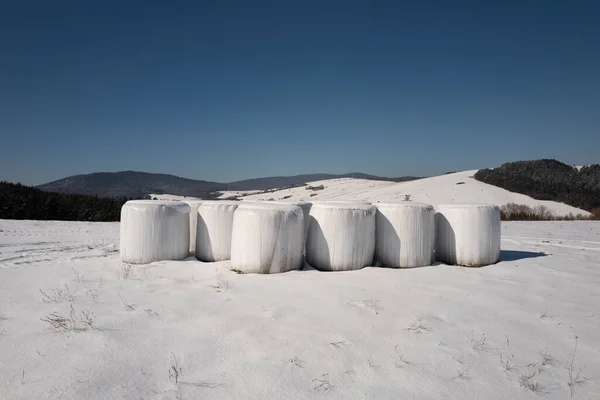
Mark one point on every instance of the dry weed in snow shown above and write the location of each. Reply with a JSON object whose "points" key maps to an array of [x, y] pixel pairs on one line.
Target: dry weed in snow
{"points": [[477, 343], [574, 373], [506, 358], [418, 326], [401, 361], [462, 373], [71, 323], [175, 370], [58, 295], [322, 384], [526, 380]]}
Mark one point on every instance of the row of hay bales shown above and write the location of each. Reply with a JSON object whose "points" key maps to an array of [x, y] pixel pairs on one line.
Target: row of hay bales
{"points": [[271, 237]]}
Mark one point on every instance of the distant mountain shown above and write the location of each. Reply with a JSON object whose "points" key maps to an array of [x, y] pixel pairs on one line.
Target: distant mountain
{"points": [[548, 180], [131, 184], [140, 184]]}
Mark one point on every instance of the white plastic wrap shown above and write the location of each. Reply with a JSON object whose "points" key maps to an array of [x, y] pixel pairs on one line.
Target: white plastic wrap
{"points": [[153, 230], [213, 233], [467, 234], [341, 236], [194, 204], [305, 206], [405, 234], [267, 238]]}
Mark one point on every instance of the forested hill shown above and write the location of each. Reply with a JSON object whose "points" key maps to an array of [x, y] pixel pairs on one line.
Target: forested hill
{"points": [[548, 180], [24, 202]]}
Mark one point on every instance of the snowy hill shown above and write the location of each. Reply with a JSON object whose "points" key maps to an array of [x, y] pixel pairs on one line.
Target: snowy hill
{"points": [[457, 187]]}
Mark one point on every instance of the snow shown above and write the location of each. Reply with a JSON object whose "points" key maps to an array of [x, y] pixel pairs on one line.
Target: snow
{"points": [[267, 238], [404, 234], [214, 227], [459, 187], [341, 236], [154, 230], [376, 333], [467, 234]]}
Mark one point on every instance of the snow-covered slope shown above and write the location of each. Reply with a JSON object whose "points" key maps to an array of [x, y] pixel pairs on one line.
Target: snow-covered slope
{"points": [[193, 330], [458, 187]]}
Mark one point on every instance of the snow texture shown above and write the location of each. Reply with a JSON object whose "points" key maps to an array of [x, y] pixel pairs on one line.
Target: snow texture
{"points": [[153, 230], [341, 236], [194, 204], [405, 234], [377, 333], [267, 238], [213, 234], [467, 234]]}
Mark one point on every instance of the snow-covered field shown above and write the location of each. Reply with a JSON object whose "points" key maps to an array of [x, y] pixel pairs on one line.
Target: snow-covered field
{"points": [[450, 188], [191, 330]]}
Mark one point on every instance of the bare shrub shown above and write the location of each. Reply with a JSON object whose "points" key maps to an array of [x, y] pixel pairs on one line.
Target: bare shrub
{"points": [[574, 373], [175, 371], [72, 323], [127, 306], [462, 373], [322, 384], [526, 380], [507, 358], [78, 276], [58, 295], [477, 343]]}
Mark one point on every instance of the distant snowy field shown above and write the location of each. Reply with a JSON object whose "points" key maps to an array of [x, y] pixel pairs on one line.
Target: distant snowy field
{"points": [[450, 188], [425, 333]]}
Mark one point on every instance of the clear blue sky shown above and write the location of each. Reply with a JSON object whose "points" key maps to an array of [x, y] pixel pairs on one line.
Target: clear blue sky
{"points": [[227, 90]]}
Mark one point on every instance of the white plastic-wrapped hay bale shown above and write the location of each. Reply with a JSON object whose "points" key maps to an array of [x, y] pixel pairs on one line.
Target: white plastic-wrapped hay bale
{"points": [[194, 204], [305, 206], [153, 230], [267, 238], [341, 236], [467, 234], [213, 233], [405, 234]]}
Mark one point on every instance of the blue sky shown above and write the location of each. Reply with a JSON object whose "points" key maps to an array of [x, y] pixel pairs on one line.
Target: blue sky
{"points": [[228, 90]]}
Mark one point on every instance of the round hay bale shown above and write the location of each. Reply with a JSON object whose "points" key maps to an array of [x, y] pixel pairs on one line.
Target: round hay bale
{"points": [[405, 234], [213, 233], [267, 238], [304, 205], [341, 236], [194, 204], [153, 230], [467, 234]]}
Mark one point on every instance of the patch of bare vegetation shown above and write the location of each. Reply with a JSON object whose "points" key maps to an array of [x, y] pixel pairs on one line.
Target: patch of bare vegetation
{"points": [[574, 373], [477, 343], [58, 295], [322, 384], [527, 381], [400, 360], [418, 326], [507, 357], [175, 370], [74, 322]]}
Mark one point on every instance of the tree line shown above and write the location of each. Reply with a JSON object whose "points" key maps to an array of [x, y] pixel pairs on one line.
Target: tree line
{"points": [[18, 201], [548, 180]]}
